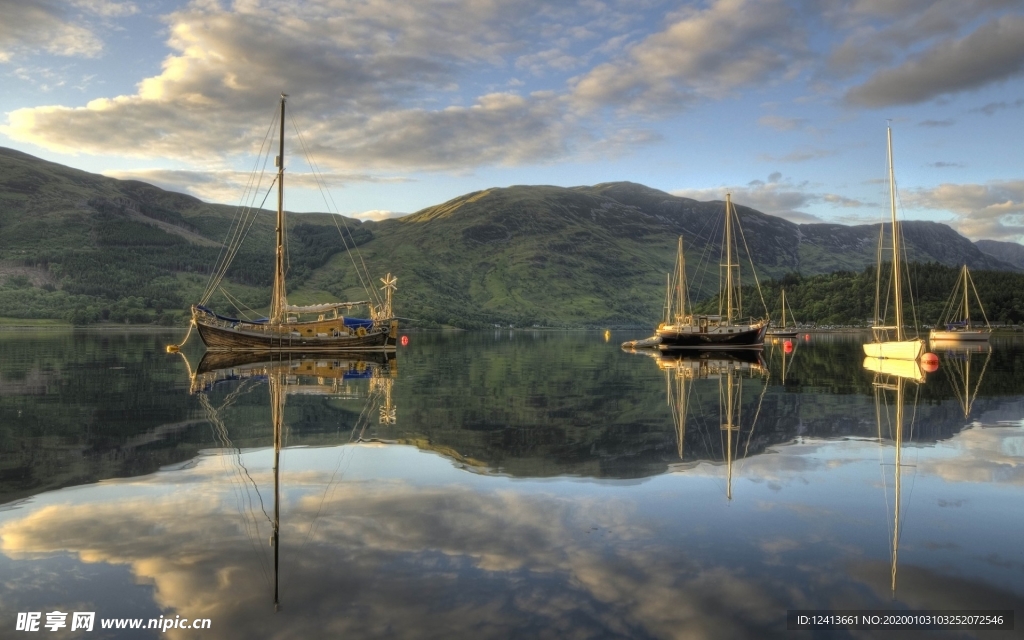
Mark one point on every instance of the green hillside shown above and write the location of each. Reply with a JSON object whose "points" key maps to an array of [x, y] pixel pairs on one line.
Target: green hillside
{"points": [[84, 248]]}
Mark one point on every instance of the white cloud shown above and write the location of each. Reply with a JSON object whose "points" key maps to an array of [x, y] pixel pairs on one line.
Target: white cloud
{"points": [[378, 214], [994, 210]]}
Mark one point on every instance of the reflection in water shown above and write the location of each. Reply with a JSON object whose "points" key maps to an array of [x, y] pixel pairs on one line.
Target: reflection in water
{"points": [[893, 376], [540, 491], [729, 369], [956, 362], [293, 373]]}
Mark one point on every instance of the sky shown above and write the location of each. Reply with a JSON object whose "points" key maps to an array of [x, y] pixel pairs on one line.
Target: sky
{"points": [[404, 105]]}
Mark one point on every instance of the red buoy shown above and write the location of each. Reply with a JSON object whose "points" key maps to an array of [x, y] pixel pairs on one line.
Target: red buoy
{"points": [[930, 362], [405, 341], [787, 346]]}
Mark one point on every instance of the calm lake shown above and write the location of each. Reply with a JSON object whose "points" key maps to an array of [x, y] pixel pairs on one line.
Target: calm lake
{"points": [[503, 484]]}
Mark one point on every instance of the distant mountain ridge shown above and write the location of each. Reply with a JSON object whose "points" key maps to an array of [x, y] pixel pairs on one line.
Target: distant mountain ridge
{"points": [[546, 255]]}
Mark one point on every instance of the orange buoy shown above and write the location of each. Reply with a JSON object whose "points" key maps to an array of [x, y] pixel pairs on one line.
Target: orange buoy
{"points": [[405, 341]]}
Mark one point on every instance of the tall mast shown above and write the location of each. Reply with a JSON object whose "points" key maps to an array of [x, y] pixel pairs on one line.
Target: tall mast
{"points": [[895, 243], [783, 308], [278, 302], [728, 258], [680, 279], [967, 313]]}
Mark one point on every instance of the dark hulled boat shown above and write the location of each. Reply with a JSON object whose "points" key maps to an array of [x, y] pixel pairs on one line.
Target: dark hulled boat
{"points": [[683, 330]]}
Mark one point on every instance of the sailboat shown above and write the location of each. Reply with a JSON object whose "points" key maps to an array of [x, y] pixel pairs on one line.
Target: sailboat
{"points": [[318, 327], [683, 330], [781, 331], [957, 319], [891, 342]]}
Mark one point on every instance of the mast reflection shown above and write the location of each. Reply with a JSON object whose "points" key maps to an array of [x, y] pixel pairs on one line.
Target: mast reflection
{"points": [[295, 374], [891, 378], [684, 370]]}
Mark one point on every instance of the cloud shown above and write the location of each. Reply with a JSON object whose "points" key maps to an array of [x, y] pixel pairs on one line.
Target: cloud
{"points": [[799, 155], [225, 186], [53, 27], [777, 197], [780, 123], [992, 53], [365, 79], [704, 54], [946, 165], [935, 123], [877, 32], [994, 210], [378, 214], [993, 107]]}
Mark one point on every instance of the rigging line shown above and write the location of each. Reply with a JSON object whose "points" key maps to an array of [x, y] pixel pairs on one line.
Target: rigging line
{"points": [[235, 302], [910, 280], [750, 259], [704, 264], [245, 191], [238, 245], [768, 375], [246, 214], [249, 193], [317, 174], [220, 433], [978, 298], [239, 240]]}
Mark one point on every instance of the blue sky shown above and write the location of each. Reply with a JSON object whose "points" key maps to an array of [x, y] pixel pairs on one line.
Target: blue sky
{"points": [[409, 104]]}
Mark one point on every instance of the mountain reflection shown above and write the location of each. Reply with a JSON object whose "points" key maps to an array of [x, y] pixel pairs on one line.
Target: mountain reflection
{"points": [[86, 406], [438, 503]]}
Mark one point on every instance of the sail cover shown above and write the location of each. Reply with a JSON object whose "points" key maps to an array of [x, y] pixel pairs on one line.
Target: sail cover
{"points": [[320, 308]]}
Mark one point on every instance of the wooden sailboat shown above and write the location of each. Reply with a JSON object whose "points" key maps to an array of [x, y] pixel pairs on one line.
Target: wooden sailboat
{"points": [[891, 342], [782, 331], [957, 318], [319, 327]]}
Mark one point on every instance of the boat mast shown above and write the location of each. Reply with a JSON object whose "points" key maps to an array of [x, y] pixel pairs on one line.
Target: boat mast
{"points": [[728, 258], [278, 302], [895, 242], [783, 308], [967, 313], [680, 279]]}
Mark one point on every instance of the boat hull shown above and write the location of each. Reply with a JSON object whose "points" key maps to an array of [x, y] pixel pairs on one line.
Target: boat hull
{"points": [[783, 334], [902, 350], [968, 335], [246, 337], [741, 338]]}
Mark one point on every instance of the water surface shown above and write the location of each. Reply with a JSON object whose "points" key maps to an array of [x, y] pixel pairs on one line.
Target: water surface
{"points": [[503, 484]]}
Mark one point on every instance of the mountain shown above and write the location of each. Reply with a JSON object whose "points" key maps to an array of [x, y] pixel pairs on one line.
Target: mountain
{"points": [[1009, 252], [84, 247]]}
